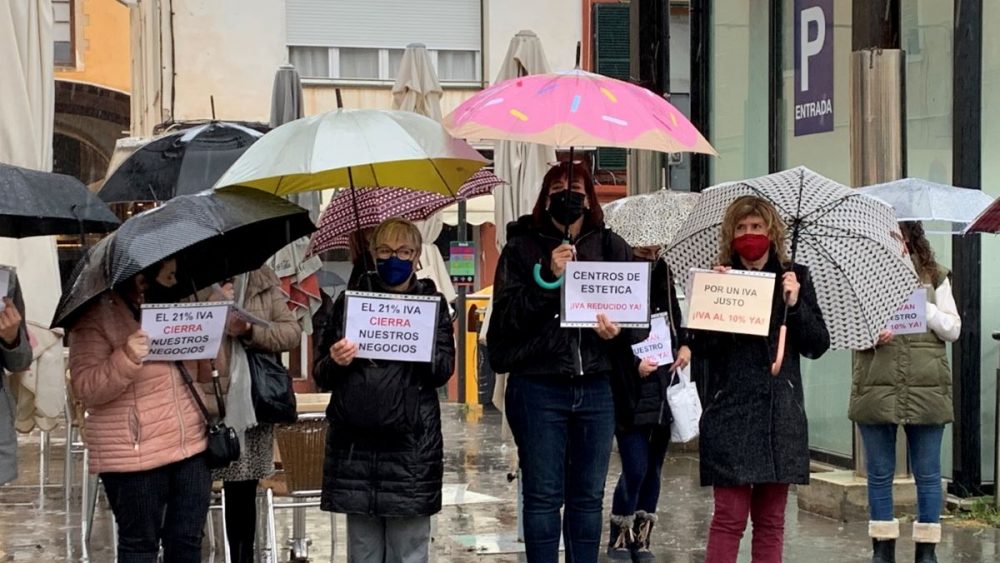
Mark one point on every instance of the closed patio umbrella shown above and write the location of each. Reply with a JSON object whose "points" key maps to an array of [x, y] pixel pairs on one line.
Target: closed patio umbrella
{"points": [[521, 165], [27, 111], [417, 89]]}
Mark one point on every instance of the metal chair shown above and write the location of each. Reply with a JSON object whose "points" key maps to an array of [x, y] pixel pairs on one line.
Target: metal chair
{"points": [[302, 445]]}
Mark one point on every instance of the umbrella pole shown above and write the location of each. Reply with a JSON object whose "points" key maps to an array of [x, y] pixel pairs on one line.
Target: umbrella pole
{"points": [[357, 221], [537, 272], [783, 331]]}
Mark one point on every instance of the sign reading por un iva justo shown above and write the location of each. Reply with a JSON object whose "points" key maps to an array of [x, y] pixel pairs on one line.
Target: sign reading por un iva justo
{"points": [[813, 66]]}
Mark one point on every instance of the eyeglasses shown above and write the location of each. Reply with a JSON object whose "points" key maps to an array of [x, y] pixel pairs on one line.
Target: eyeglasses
{"points": [[403, 253]]}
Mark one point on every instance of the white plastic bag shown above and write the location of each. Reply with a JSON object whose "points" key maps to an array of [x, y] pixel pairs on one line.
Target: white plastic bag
{"points": [[685, 407]]}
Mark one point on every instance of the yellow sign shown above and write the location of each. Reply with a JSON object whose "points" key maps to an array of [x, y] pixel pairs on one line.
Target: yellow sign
{"points": [[737, 301]]}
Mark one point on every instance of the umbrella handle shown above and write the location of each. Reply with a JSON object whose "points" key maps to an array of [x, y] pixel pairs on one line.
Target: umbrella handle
{"points": [[780, 356], [546, 284]]}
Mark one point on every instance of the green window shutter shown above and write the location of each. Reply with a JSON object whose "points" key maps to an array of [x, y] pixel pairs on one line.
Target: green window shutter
{"points": [[611, 58]]}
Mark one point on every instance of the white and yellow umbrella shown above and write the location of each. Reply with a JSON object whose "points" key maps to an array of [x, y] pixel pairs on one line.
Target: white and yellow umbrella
{"points": [[357, 148]]}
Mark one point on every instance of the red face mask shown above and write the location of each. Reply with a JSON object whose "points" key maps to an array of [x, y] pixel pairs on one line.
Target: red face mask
{"points": [[751, 247]]}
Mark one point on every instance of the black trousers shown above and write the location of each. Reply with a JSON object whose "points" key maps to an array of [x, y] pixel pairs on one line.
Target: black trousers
{"points": [[168, 504], [241, 519]]}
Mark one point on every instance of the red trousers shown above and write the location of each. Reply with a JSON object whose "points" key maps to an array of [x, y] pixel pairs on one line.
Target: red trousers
{"points": [[765, 505]]}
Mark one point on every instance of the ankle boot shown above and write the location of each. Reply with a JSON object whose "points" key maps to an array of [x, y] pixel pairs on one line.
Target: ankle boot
{"points": [[883, 534], [644, 522], [621, 538], [926, 537]]}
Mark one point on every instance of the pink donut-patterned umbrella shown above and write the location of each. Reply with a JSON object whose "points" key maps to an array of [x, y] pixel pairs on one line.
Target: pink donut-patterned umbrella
{"points": [[576, 108], [375, 205]]}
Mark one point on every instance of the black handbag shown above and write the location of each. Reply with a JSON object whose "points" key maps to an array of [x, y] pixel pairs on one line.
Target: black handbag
{"points": [[223, 443], [271, 388]]}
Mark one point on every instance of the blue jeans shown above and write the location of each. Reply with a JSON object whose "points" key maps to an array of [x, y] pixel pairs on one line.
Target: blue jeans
{"points": [[642, 451], [924, 443], [563, 430]]}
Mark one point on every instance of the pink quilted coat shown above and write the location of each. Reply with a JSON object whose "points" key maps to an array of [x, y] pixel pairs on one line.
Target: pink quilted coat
{"points": [[139, 416]]}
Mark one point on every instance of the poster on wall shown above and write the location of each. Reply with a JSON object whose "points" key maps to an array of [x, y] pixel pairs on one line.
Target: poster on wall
{"points": [[813, 20]]}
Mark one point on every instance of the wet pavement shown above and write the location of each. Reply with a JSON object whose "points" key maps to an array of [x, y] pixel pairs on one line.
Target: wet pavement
{"points": [[480, 513]]}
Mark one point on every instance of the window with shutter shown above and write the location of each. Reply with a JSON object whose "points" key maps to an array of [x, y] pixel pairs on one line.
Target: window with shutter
{"points": [[611, 45], [352, 40], [62, 33]]}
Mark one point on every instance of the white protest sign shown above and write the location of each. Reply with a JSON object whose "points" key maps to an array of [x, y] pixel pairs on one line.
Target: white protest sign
{"points": [[184, 331], [6, 273], [737, 301], [389, 326], [911, 318], [618, 290], [658, 346]]}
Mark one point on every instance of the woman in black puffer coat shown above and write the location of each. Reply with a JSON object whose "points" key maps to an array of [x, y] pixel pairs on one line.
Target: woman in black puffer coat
{"points": [[643, 427], [558, 399], [384, 456]]}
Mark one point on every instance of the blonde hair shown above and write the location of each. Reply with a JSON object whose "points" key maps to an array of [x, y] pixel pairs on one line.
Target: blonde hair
{"points": [[750, 206], [393, 229]]}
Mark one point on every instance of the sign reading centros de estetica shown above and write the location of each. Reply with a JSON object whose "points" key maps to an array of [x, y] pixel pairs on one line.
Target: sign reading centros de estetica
{"points": [[617, 290]]}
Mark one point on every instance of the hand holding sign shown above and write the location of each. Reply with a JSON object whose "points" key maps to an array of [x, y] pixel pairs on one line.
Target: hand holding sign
{"points": [[647, 367], [618, 291], [605, 328], [137, 346], [10, 322], [343, 352]]}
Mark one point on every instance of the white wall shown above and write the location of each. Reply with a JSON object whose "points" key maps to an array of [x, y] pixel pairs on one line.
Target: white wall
{"points": [[229, 49], [558, 23]]}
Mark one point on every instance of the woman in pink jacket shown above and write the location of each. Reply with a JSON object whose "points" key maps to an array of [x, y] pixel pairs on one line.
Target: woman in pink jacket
{"points": [[144, 430]]}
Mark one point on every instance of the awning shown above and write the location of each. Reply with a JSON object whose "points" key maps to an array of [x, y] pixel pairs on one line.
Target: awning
{"points": [[478, 210]]}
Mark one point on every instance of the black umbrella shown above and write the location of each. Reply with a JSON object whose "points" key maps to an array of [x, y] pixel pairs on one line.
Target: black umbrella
{"points": [[213, 235], [181, 163], [35, 203]]}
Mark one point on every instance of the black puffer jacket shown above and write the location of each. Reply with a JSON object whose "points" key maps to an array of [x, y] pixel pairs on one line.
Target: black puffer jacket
{"points": [[642, 401], [753, 428], [384, 454], [524, 336]]}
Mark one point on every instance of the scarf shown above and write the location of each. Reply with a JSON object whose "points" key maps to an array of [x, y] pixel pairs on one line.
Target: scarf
{"points": [[240, 415]]}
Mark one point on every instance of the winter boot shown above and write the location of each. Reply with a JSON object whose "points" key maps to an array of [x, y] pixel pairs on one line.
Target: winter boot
{"points": [[884, 535], [621, 540], [926, 536], [644, 522]]}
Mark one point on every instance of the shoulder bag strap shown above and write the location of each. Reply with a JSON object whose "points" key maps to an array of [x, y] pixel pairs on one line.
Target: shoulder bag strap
{"points": [[197, 396]]}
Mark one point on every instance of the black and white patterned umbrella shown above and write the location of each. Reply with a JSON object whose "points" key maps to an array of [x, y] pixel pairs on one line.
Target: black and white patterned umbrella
{"points": [[650, 219], [850, 242], [213, 235]]}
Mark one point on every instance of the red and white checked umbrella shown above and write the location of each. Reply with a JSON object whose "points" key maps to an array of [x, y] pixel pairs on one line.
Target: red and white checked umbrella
{"points": [[378, 204]]}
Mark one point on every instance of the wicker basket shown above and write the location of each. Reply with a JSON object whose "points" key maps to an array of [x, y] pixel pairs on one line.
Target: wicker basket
{"points": [[302, 446]]}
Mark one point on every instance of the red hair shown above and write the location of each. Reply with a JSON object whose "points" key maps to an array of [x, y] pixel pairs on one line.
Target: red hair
{"points": [[593, 216]]}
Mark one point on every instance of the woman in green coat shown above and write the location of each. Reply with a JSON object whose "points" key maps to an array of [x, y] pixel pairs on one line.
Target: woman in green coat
{"points": [[906, 380]]}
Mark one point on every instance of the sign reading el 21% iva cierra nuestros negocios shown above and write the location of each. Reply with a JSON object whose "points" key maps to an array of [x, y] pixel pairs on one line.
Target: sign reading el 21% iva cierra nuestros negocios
{"points": [[389, 326], [736, 301], [617, 290], [184, 331]]}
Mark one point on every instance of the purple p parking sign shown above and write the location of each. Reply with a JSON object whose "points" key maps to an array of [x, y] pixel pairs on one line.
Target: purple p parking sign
{"points": [[813, 66]]}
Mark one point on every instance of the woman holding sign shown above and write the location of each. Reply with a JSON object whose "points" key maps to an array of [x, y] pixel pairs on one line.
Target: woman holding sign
{"points": [[558, 400], [259, 294], [753, 440], [643, 425], [384, 455], [145, 432], [906, 380]]}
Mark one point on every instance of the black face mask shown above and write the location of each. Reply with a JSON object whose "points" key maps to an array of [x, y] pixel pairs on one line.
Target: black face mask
{"points": [[566, 210], [159, 293]]}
